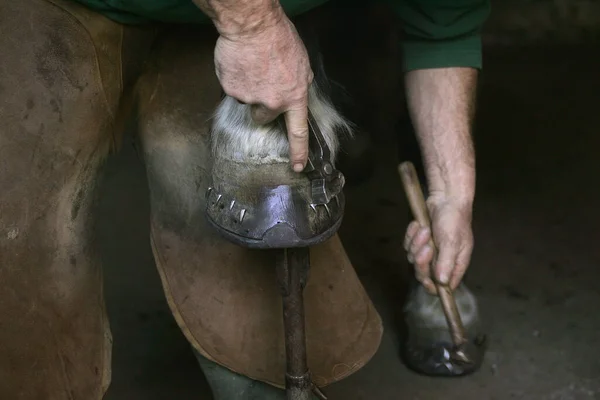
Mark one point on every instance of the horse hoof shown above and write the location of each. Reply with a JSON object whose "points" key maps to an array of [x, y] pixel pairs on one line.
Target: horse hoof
{"points": [[269, 206], [255, 199], [428, 348]]}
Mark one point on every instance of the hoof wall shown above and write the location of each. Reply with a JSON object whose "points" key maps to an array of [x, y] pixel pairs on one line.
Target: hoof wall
{"points": [[438, 359]]}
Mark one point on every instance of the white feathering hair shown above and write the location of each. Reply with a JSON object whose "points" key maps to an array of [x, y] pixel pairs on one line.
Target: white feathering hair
{"points": [[235, 135]]}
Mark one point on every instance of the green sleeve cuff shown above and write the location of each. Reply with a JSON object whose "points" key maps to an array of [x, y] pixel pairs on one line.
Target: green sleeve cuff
{"points": [[425, 54], [441, 33]]}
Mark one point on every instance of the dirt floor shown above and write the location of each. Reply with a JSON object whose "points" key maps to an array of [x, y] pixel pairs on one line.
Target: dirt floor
{"points": [[535, 266]]}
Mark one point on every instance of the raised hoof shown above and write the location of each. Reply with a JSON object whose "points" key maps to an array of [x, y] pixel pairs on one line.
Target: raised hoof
{"points": [[266, 206], [428, 347]]}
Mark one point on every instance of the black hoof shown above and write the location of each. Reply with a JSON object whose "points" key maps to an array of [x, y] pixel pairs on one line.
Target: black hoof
{"points": [[438, 360]]}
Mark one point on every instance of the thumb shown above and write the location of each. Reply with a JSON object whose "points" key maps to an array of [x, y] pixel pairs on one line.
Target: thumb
{"points": [[444, 262], [463, 259]]}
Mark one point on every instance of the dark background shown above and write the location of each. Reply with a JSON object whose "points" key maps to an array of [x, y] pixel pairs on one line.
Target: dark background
{"points": [[536, 262]]}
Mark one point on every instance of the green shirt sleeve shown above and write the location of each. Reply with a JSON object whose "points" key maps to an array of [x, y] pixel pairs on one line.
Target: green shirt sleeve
{"points": [[441, 33]]}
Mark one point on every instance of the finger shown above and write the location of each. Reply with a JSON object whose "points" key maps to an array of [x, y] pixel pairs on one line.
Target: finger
{"points": [[419, 240], [429, 286], [424, 258], [296, 121], [426, 282], [412, 229], [422, 262], [462, 264], [262, 115], [446, 259]]}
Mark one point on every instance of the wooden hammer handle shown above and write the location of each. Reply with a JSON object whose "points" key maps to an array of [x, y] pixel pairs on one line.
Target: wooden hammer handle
{"points": [[415, 197], [416, 200]]}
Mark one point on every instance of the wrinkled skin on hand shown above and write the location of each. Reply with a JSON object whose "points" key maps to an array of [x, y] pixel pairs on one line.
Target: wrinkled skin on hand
{"points": [[270, 69], [453, 237]]}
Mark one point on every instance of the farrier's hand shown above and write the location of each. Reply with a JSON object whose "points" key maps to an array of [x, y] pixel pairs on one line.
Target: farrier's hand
{"points": [[442, 103], [453, 236], [268, 67]]}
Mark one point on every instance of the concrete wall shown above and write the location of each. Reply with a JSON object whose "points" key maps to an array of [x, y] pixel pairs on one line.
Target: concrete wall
{"points": [[366, 37], [527, 22], [512, 22]]}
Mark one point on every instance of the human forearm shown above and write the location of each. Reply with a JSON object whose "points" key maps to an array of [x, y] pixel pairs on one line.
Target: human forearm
{"points": [[241, 17], [442, 55], [441, 52], [442, 104]]}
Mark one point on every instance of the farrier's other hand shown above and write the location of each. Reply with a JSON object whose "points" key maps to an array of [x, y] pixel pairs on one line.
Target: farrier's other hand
{"points": [[453, 237], [268, 67]]}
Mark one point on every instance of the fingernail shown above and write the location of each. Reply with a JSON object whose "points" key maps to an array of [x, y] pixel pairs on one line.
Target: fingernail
{"points": [[430, 286], [298, 167], [444, 278]]}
